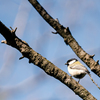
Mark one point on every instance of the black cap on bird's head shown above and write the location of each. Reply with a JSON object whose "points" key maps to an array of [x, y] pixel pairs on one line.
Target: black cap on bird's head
{"points": [[71, 61]]}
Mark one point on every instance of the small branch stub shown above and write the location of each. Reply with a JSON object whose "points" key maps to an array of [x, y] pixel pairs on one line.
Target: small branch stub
{"points": [[57, 20], [91, 56], [67, 28], [4, 41], [97, 62], [21, 57], [12, 30], [54, 32]]}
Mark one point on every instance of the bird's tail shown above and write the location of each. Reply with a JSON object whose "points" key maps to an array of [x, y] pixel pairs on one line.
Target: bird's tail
{"points": [[93, 80]]}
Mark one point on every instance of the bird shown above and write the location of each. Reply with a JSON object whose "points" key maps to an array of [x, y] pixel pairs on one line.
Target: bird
{"points": [[76, 69]]}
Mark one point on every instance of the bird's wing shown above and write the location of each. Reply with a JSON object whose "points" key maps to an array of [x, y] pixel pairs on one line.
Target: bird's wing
{"points": [[79, 67]]}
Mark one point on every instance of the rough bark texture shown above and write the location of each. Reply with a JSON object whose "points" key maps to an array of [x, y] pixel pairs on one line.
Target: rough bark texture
{"points": [[43, 63], [68, 38]]}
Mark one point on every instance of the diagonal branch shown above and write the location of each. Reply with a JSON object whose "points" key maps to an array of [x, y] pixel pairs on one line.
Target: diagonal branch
{"points": [[68, 38], [43, 63]]}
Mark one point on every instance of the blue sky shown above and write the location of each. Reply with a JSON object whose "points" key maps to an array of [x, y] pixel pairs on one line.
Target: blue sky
{"points": [[20, 80]]}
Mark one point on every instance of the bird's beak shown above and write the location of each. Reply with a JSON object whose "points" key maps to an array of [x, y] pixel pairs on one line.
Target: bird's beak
{"points": [[65, 63]]}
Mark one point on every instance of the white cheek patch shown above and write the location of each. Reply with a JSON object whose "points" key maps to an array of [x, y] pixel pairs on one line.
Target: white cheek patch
{"points": [[71, 62]]}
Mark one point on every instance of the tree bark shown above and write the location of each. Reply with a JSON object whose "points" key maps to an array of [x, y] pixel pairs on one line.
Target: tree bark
{"points": [[43, 63], [68, 38]]}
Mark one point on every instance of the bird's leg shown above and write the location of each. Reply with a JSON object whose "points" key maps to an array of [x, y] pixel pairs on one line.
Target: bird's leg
{"points": [[78, 80]]}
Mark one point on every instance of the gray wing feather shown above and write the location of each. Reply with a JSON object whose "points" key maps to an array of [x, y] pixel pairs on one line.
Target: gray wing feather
{"points": [[79, 67]]}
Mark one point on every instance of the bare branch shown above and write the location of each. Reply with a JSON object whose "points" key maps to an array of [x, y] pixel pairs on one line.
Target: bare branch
{"points": [[68, 38], [44, 64]]}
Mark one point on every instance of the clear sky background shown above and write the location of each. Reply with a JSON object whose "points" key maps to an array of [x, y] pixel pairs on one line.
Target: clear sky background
{"points": [[20, 80]]}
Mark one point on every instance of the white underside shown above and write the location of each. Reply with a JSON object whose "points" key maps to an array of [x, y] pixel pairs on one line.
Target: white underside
{"points": [[74, 72]]}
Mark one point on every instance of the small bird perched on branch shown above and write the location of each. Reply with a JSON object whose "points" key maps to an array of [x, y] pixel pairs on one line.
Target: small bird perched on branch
{"points": [[77, 70]]}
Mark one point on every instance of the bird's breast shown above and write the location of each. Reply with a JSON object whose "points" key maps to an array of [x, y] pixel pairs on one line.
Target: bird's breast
{"points": [[76, 73]]}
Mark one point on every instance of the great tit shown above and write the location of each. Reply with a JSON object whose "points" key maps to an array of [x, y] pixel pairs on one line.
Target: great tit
{"points": [[76, 69]]}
